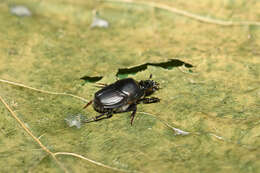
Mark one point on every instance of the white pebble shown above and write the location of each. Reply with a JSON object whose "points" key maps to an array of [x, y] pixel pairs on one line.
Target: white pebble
{"points": [[20, 10], [100, 23]]}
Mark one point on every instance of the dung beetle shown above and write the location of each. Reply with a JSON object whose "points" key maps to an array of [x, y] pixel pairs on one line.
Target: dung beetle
{"points": [[122, 96]]}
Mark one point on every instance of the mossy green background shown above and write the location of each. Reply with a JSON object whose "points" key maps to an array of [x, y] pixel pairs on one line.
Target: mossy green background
{"points": [[55, 47]]}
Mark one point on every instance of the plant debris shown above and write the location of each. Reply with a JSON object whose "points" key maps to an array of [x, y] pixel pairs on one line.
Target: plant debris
{"points": [[75, 120]]}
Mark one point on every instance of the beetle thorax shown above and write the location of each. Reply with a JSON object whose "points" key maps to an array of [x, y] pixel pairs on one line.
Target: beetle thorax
{"points": [[148, 86]]}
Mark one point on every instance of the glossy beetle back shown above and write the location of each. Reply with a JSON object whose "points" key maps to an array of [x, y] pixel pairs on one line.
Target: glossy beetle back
{"points": [[117, 94], [109, 96], [129, 87]]}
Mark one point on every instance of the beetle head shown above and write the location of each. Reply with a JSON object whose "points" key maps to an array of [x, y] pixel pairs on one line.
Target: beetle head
{"points": [[149, 86]]}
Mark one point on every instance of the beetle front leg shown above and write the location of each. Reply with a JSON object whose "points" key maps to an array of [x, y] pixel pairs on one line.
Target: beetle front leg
{"points": [[149, 100]]}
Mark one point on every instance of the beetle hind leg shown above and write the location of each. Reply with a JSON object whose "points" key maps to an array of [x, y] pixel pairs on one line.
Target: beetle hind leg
{"points": [[149, 100], [101, 85], [99, 117], [94, 118], [89, 103]]}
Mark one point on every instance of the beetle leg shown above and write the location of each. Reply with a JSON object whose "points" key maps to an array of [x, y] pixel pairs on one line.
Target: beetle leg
{"points": [[109, 115], [133, 114], [99, 117], [149, 100], [102, 85], [96, 118], [89, 103]]}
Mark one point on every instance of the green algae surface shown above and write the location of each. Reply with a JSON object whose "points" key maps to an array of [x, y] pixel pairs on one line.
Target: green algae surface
{"points": [[217, 100]]}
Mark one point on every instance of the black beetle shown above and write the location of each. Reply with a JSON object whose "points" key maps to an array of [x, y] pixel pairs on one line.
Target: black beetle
{"points": [[123, 96]]}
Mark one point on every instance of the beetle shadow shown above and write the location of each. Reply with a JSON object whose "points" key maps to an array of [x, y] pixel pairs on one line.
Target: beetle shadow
{"points": [[91, 79], [124, 72]]}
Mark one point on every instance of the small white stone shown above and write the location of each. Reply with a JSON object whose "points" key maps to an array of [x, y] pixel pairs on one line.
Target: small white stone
{"points": [[20, 10], [100, 23]]}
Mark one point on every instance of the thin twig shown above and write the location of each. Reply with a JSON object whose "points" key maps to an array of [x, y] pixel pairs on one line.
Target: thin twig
{"points": [[92, 161], [42, 91], [37, 139], [189, 14], [176, 130], [31, 134]]}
